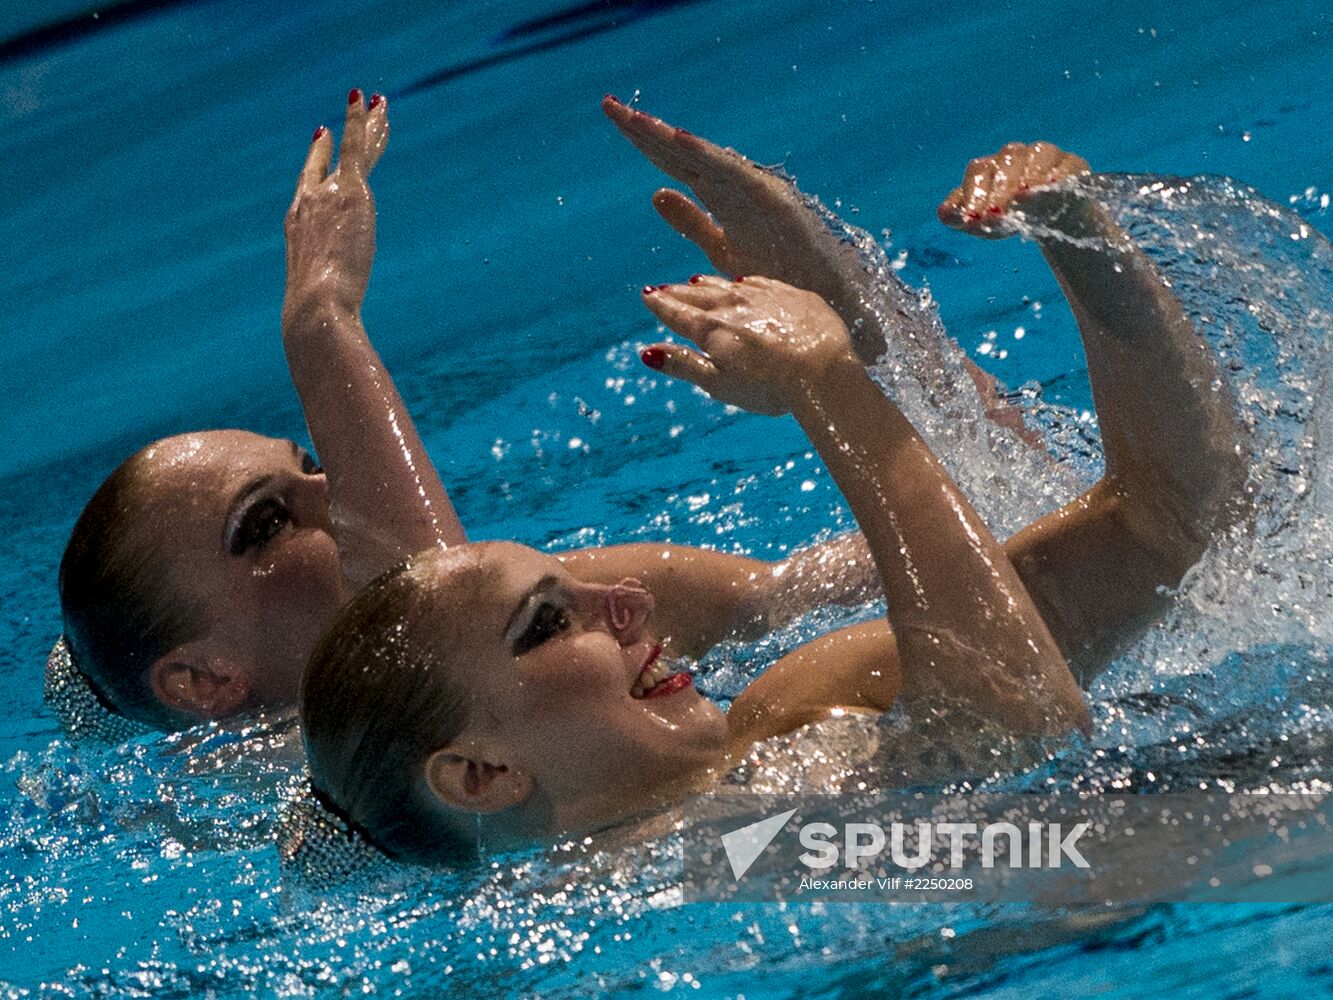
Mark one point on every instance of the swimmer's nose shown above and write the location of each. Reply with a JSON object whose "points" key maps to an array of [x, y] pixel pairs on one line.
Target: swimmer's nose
{"points": [[628, 605], [312, 503]]}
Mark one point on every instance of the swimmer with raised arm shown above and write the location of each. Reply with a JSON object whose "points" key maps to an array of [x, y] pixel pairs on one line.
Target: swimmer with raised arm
{"points": [[172, 628], [485, 693], [199, 575], [201, 572]]}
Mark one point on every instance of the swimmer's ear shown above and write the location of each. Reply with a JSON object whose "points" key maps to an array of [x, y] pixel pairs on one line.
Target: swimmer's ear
{"points": [[463, 778], [190, 681]]}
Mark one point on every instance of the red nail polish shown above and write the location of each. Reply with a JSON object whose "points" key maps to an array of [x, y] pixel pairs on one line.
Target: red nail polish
{"points": [[354, 96], [694, 278], [973, 216], [376, 100], [649, 289], [319, 133], [653, 357], [995, 210], [739, 278]]}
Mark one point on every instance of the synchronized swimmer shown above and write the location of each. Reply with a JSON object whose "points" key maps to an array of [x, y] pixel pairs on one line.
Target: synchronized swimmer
{"points": [[492, 687]]}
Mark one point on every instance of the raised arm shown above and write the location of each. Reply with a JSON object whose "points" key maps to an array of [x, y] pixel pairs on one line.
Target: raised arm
{"points": [[1175, 454], [386, 499], [965, 627], [756, 221], [705, 597], [760, 224]]}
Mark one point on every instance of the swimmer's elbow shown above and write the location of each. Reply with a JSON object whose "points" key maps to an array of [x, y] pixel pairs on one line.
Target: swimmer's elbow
{"points": [[1043, 702], [1051, 717]]}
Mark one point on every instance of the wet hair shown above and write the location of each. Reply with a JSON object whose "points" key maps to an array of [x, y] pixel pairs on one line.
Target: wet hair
{"points": [[122, 604], [376, 702]]}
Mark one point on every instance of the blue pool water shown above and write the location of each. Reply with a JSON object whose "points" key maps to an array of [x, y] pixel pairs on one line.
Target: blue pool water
{"points": [[150, 160]]}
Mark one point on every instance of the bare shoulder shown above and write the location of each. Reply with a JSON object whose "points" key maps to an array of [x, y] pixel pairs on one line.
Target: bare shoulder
{"points": [[851, 669]]}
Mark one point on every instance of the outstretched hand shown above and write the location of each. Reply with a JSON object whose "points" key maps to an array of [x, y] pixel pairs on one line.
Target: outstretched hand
{"points": [[759, 224], [761, 339], [330, 225], [1020, 177]]}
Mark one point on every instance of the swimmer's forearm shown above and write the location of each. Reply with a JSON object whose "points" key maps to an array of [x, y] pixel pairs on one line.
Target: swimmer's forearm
{"points": [[386, 498], [840, 570], [1100, 568], [1167, 419], [966, 628]]}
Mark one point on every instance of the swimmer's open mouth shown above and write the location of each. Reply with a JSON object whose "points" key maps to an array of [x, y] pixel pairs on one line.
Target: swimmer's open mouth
{"points": [[656, 679]]}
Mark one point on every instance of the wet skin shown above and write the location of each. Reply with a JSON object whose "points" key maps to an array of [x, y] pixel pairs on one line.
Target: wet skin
{"points": [[572, 701], [244, 522]]}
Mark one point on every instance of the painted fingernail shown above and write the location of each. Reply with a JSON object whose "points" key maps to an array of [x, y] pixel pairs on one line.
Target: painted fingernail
{"points": [[739, 278], [376, 100], [354, 96], [995, 210], [694, 278], [653, 357], [649, 289], [319, 134], [973, 216]]}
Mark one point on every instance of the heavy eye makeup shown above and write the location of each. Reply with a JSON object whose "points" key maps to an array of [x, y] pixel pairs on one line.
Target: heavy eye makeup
{"points": [[259, 519], [542, 616]]}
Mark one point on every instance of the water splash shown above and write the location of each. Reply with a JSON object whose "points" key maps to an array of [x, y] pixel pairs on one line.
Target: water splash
{"points": [[155, 856]]}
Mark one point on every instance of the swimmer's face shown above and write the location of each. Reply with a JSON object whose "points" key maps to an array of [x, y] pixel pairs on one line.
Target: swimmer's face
{"points": [[244, 520], [566, 684]]}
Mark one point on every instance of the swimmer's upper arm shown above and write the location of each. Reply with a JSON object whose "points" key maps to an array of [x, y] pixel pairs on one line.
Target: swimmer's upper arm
{"points": [[855, 668], [1099, 570], [702, 597]]}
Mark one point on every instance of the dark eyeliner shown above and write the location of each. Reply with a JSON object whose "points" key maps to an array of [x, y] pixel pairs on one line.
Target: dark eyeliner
{"points": [[258, 524], [548, 621]]}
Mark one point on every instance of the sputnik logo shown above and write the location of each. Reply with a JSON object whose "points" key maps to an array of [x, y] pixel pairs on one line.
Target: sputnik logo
{"points": [[744, 846]]}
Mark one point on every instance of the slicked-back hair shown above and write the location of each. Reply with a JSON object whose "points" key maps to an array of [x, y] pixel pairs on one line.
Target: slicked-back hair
{"points": [[119, 598], [376, 702]]}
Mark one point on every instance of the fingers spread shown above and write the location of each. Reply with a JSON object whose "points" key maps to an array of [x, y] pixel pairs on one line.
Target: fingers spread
{"points": [[377, 131], [352, 153], [685, 318], [692, 222], [675, 151], [316, 166], [703, 291], [681, 362]]}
